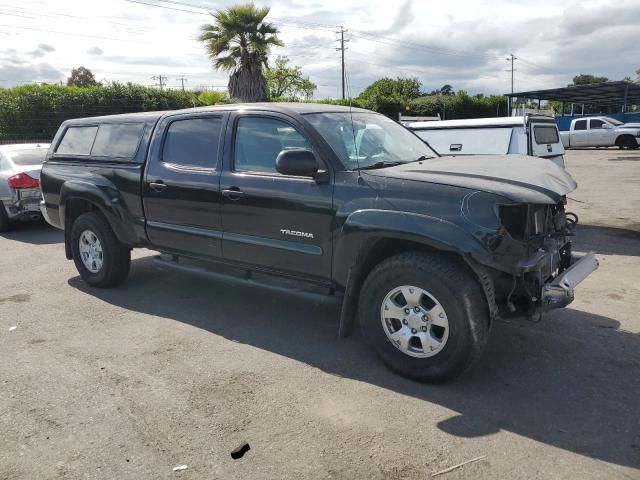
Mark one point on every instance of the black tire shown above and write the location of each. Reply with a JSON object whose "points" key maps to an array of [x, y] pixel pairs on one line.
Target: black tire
{"points": [[627, 142], [116, 257], [459, 294], [5, 222]]}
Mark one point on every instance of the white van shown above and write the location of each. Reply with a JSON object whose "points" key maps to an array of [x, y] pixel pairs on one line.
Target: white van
{"points": [[534, 135]]}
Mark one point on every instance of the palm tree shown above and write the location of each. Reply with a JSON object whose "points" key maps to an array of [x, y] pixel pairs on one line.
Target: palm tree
{"points": [[239, 41]]}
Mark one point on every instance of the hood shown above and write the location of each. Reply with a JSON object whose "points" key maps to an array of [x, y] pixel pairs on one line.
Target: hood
{"points": [[629, 125], [519, 178]]}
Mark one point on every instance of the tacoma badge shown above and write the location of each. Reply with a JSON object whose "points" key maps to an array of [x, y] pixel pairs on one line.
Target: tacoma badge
{"points": [[295, 233]]}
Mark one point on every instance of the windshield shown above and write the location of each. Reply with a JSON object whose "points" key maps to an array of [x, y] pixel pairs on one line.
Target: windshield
{"points": [[613, 121], [27, 157], [369, 140]]}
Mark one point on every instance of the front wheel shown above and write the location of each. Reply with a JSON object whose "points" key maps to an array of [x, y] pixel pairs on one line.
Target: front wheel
{"points": [[100, 258], [627, 143], [425, 315]]}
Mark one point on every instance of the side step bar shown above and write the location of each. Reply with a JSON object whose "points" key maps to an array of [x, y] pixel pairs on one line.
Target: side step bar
{"points": [[245, 278]]}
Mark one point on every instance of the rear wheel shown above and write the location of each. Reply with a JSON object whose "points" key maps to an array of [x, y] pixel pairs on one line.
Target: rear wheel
{"points": [[5, 222], [627, 142], [425, 315], [100, 258]]}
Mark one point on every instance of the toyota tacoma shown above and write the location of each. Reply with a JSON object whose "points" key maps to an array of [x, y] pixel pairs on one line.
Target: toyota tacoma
{"points": [[424, 252]]}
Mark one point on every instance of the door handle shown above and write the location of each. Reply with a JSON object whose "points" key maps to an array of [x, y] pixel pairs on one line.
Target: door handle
{"points": [[233, 193], [158, 186]]}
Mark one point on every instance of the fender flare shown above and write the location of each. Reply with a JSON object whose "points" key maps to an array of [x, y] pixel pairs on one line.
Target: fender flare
{"points": [[363, 228], [105, 199]]}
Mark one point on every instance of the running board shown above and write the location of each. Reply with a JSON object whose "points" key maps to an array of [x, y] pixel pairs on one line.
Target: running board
{"points": [[247, 278]]}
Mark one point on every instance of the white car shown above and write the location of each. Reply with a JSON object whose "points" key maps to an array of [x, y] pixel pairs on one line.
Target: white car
{"points": [[534, 135], [20, 166], [601, 132]]}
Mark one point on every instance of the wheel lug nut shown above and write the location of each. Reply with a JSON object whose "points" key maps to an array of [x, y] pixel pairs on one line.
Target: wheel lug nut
{"points": [[404, 321], [424, 329], [416, 309], [424, 318], [413, 330], [407, 311]]}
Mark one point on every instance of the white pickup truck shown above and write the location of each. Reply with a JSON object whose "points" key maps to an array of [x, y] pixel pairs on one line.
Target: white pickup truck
{"points": [[601, 132]]}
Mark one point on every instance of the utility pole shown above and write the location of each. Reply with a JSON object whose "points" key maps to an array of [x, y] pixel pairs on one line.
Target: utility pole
{"points": [[341, 48], [182, 80], [161, 80], [511, 58]]}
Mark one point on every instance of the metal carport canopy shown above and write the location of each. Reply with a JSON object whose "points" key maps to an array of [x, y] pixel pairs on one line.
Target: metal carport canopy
{"points": [[606, 92]]}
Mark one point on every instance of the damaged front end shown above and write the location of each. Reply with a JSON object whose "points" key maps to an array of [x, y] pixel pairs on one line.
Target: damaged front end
{"points": [[532, 264], [547, 273]]}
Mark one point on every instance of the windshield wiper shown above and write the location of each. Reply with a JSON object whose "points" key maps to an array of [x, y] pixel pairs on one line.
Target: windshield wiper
{"points": [[373, 166], [420, 158]]}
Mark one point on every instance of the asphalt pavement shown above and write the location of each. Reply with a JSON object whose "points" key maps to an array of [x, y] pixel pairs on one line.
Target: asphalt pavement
{"points": [[171, 370]]}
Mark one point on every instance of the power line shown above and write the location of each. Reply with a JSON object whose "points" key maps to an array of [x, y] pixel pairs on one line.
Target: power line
{"points": [[67, 33]]}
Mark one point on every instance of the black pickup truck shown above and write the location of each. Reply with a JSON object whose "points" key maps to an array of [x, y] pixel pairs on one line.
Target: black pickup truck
{"points": [[425, 251]]}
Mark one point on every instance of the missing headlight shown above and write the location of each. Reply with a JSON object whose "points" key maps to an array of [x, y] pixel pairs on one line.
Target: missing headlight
{"points": [[514, 219]]}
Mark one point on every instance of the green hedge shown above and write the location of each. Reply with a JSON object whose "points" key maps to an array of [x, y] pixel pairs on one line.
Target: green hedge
{"points": [[34, 112], [457, 106]]}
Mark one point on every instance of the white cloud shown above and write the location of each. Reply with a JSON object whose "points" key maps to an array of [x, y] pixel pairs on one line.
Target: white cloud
{"points": [[460, 42]]}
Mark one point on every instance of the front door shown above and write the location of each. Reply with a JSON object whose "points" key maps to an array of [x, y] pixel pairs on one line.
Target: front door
{"points": [[272, 221], [182, 186], [600, 133]]}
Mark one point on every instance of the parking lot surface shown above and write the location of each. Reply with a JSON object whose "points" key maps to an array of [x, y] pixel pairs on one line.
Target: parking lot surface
{"points": [[170, 370]]}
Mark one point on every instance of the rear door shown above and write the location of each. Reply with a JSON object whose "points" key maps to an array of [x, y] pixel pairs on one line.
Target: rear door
{"points": [[181, 190], [272, 221], [580, 134], [545, 141]]}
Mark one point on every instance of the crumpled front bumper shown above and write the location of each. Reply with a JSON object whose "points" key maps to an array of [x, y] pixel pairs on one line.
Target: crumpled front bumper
{"points": [[560, 291]]}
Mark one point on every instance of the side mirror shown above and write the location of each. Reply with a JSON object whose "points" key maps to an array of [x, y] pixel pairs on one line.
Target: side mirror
{"points": [[297, 162]]}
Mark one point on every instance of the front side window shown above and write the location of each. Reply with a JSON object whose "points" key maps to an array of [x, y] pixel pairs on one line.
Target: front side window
{"points": [[77, 141], [193, 143], [580, 125], [259, 140], [368, 140], [545, 134], [595, 123], [117, 140]]}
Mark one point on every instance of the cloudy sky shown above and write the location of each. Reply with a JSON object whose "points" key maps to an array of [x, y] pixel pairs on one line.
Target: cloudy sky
{"points": [[461, 42]]}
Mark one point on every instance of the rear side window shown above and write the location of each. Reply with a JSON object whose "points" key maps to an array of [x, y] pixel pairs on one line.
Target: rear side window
{"points": [[580, 125], [193, 142], [545, 134], [77, 141], [117, 140]]}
